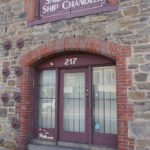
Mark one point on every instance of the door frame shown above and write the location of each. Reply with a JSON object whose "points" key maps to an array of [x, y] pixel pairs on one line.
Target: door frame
{"points": [[95, 61], [71, 136]]}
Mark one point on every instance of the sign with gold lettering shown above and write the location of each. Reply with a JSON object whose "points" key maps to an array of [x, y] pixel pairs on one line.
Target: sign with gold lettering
{"points": [[63, 9]]}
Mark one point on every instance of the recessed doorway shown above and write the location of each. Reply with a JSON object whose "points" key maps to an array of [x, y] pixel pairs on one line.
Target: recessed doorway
{"points": [[75, 100]]}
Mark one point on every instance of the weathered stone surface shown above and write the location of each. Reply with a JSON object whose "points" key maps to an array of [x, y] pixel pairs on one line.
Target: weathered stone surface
{"points": [[137, 95], [11, 83], [137, 26], [3, 112], [143, 86], [10, 117], [22, 15], [11, 110], [2, 148], [133, 66], [142, 106], [112, 27], [143, 143], [143, 115], [9, 104], [6, 64], [142, 48], [144, 31], [148, 95], [10, 145], [131, 10], [141, 77], [143, 19], [142, 148], [137, 59], [147, 56], [145, 67], [139, 129]]}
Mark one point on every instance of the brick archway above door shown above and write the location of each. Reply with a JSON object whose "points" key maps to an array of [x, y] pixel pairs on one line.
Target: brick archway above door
{"points": [[76, 44]]}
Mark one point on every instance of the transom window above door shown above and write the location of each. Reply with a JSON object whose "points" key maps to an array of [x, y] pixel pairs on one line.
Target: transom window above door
{"points": [[75, 100]]}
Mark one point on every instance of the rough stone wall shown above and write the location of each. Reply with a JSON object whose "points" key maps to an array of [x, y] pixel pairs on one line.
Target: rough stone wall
{"points": [[129, 25]]}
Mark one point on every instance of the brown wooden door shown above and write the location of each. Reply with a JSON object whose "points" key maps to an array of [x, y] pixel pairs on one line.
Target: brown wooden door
{"points": [[73, 105]]}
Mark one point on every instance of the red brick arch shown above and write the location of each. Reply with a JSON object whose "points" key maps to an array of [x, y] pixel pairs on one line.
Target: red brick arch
{"points": [[93, 45]]}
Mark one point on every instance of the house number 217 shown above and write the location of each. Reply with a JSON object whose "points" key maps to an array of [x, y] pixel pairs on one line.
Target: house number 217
{"points": [[70, 61]]}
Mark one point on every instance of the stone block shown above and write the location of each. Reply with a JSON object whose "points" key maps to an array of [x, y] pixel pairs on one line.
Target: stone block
{"points": [[143, 86], [142, 48], [133, 66], [145, 67], [126, 22], [22, 15], [147, 56], [9, 104], [112, 27], [11, 83], [131, 10], [137, 95], [11, 110], [3, 112], [139, 129], [142, 115], [10, 117], [140, 77], [10, 145], [137, 59], [142, 148], [4, 53], [137, 26], [148, 95], [143, 19], [141, 106], [2, 148], [144, 31], [6, 64], [143, 142]]}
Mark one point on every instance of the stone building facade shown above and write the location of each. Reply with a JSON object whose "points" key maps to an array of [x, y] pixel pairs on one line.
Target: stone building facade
{"points": [[122, 35]]}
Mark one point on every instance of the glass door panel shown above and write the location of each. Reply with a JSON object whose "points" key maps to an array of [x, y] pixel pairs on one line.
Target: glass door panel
{"points": [[74, 102], [46, 105], [104, 107], [104, 100], [73, 113]]}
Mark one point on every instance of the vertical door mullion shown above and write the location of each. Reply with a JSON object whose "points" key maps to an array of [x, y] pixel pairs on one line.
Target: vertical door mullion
{"points": [[90, 103], [60, 104], [56, 105]]}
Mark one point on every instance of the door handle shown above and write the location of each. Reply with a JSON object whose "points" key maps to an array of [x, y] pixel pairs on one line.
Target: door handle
{"points": [[87, 100]]}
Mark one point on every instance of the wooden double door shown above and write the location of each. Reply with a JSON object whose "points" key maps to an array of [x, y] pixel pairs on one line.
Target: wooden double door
{"points": [[76, 103]]}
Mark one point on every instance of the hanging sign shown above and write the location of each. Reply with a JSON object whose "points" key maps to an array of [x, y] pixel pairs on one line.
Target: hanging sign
{"points": [[63, 9]]}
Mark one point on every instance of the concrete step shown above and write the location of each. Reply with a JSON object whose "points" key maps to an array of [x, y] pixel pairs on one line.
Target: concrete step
{"points": [[43, 142], [37, 144], [75, 145], [48, 147]]}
